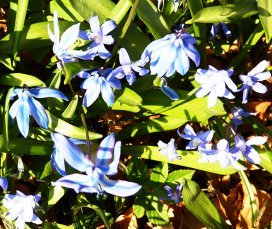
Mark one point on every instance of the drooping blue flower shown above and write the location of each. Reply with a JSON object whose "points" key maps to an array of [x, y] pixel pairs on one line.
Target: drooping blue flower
{"points": [[171, 53], [26, 105], [62, 45], [168, 91], [96, 180], [251, 81], [173, 195], [196, 139], [216, 28], [99, 81], [68, 144], [223, 154], [4, 183], [237, 116], [127, 68], [169, 149], [214, 82], [21, 207], [99, 37], [246, 147]]}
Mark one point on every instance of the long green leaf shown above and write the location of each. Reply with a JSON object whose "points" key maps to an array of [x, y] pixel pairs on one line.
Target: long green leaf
{"points": [[19, 79], [19, 24], [201, 207], [65, 128], [225, 13], [152, 18], [189, 159], [265, 14]]}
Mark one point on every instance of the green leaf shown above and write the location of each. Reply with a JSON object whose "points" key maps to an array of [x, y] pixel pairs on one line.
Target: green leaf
{"points": [[49, 225], [266, 160], [201, 207], [99, 211], [120, 11], [178, 176], [19, 24], [20, 146], [7, 61], [87, 8], [128, 97], [124, 107], [55, 194], [225, 13], [189, 159], [47, 170], [65, 128], [19, 79], [152, 125], [159, 173], [65, 10], [152, 18], [157, 211], [138, 210], [71, 108], [265, 14], [137, 170]]}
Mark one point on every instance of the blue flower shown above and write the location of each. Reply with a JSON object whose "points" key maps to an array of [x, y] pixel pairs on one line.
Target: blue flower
{"points": [[246, 148], [96, 180], [26, 105], [251, 80], [171, 53], [99, 37], [223, 154], [173, 195], [169, 149], [168, 91], [4, 183], [213, 82], [196, 139], [99, 81], [237, 116], [127, 69], [21, 207], [62, 45], [68, 144], [216, 27]]}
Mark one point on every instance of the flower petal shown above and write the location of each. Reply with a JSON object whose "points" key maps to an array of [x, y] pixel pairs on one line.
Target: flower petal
{"points": [[108, 26], [38, 112], [94, 24], [124, 57], [118, 187], [47, 92], [107, 93], [71, 152], [259, 68], [23, 117]]}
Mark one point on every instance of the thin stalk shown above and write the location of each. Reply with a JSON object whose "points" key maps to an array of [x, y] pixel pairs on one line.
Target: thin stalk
{"points": [[253, 204]]}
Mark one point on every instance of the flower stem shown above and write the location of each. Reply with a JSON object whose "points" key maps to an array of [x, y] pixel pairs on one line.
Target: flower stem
{"points": [[253, 204]]}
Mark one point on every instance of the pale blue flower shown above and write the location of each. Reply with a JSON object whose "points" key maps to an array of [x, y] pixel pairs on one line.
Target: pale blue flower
{"points": [[21, 207], [169, 149], [26, 105], [68, 144], [127, 68], [99, 37], [171, 53], [62, 45], [216, 28], [99, 81], [96, 180], [4, 183], [237, 116], [214, 82], [173, 195], [251, 80], [223, 154], [246, 147], [196, 139]]}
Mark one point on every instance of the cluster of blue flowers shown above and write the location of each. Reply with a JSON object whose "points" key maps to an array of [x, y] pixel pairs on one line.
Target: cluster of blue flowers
{"points": [[165, 56]]}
